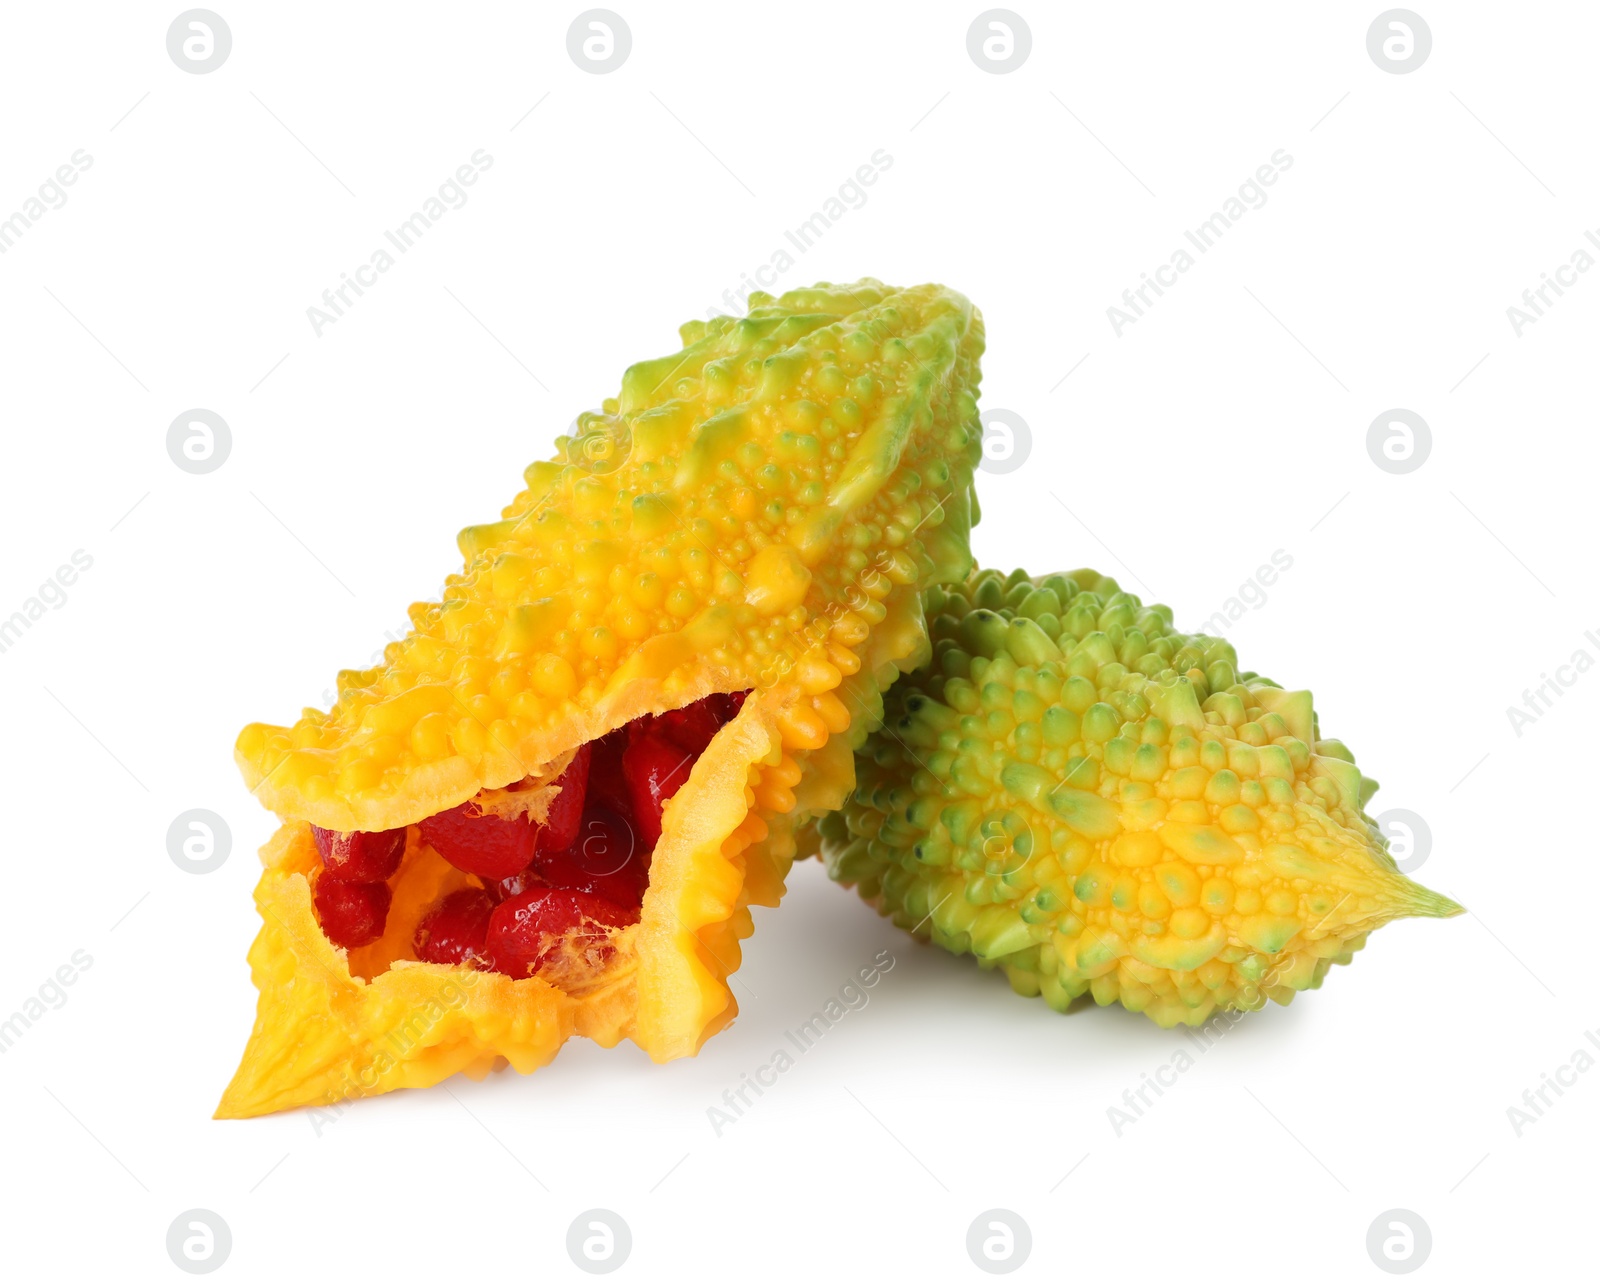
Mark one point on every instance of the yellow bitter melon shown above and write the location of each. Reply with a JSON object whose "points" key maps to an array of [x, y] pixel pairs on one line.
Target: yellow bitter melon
{"points": [[756, 512], [1074, 792]]}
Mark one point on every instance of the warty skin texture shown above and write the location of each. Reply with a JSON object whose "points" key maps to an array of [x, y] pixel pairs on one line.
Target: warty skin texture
{"points": [[759, 512], [1079, 795]]}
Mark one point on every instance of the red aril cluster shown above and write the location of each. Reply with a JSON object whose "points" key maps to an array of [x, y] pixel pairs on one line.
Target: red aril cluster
{"points": [[352, 893], [359, 857], [604, 859], [351, 914], [489, 846], [588, 862], [453, 930], [524, 931]]}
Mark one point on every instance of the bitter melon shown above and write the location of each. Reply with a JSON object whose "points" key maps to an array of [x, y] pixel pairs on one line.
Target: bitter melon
{"points": [[1075, 793], [752, 517]]}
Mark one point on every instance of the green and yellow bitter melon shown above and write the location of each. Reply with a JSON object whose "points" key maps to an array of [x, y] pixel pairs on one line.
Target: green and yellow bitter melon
{"points": [[1096, 804], [753, 515]]}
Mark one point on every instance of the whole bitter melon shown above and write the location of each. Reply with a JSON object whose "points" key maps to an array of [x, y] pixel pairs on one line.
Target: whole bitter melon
{"points": [[1096, 804]]}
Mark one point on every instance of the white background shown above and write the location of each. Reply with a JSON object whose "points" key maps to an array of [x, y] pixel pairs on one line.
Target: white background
{"points": [[1227, 423]]}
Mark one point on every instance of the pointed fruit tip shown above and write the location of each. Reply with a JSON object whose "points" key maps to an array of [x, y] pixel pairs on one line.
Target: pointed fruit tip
{"points": [[1420, 902]]}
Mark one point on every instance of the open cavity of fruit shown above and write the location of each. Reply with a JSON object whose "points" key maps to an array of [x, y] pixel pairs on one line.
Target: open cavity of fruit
{"points": [[554, 867]]}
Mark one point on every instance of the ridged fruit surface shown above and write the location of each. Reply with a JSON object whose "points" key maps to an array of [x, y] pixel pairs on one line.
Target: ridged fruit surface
{"points": [[756, 512], [1097, 804]]}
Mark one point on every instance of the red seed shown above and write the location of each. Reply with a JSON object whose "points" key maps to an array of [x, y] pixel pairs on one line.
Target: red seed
{"points": [[655, 769], [691, 727], [732, 702], [359, 857], [607, 860], [560, 828], [454, 930], [607, 786], [526, 930], [351, 914], [480, 844]]}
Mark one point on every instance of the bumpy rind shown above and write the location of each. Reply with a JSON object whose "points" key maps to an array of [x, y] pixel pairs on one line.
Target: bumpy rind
{"points": [[729, 513], [1077, 794], [758, 511]]}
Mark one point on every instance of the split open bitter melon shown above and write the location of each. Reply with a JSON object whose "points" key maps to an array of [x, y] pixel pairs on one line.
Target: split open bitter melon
{"points": [[550, 808], [1077, 794]]}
